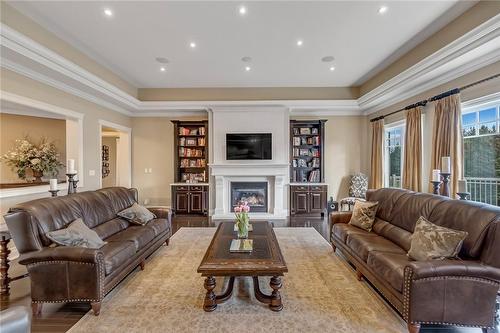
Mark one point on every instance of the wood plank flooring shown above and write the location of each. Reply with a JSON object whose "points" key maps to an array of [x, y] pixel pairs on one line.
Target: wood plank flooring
{"points": [[57, 318]]}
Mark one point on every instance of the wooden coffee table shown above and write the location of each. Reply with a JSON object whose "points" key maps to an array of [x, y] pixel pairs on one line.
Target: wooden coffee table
{"points": [[265, 260]]}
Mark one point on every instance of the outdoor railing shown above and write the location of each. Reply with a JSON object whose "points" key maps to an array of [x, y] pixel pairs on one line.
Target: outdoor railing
{"points": [[485, 190]]}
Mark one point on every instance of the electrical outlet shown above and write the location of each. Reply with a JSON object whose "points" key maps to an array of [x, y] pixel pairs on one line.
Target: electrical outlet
{"points": [[91, 172]]}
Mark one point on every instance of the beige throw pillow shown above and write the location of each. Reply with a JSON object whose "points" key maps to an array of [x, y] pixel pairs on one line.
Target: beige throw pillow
{"points": [[430, 241], [363, 214], [76, 234], [137, 214]]}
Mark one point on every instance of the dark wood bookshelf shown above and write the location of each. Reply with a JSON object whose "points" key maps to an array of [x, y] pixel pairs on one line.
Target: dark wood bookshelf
{"points": [[307, 151]]}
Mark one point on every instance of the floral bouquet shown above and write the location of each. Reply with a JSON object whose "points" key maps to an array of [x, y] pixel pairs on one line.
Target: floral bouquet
{"points": [[242, 220], [39, 158]]}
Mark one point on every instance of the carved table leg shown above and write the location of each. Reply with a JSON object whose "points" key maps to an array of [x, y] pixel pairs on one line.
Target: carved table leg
{"points": [[4, 267], [210, 303], [276, 304]]}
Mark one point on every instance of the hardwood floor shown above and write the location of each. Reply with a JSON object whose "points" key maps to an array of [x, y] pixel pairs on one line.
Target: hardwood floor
{"points": [[60, 317]]}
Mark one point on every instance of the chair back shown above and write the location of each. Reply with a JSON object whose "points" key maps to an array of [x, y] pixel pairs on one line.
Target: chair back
{"points": [[358, 186]]}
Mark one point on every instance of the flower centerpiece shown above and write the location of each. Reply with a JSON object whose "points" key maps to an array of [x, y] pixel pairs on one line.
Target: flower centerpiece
{"points": [[41, 158], [242, 220]]}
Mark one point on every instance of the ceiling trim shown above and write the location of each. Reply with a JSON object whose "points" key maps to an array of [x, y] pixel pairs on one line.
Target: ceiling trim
{"points": [[403, 86], [426, 74]]}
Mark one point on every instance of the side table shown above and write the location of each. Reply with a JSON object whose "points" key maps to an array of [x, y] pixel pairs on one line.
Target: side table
{"points": [[5, 280]]}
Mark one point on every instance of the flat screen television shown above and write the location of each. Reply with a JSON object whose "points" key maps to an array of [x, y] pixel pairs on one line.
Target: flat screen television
{"points": [[248, 146]]}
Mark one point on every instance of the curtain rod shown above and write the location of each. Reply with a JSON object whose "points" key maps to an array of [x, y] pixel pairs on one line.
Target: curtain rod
{"points": [[438, 97]]}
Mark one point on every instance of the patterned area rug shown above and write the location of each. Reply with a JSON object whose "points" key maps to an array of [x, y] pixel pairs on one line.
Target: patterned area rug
{"points": [[320, 294]]}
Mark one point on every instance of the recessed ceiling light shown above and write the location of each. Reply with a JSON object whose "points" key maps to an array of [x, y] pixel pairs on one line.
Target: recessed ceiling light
{"points": [[382, 9], [246, 59], [332, 69], [300, 42], [163, 69], [247, 68], [192, 45], [243, 10], [328, 59], [108, 12]]}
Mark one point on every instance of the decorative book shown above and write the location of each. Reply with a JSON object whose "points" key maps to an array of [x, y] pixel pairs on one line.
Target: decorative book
{"points": [[250, 227], [241, 245]]}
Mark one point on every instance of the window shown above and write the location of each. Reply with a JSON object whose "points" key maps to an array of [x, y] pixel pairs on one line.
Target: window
{"points": [[480, 126], [393, 155]]}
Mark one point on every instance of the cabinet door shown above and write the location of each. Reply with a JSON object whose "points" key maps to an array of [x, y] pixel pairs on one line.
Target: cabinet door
{"points": [[316, 202], [300, 202], [196, 202], [181, 202]]}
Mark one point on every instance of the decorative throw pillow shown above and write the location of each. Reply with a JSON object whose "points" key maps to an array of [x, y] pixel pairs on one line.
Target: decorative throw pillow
{"points": [[430, 241], [137, 214], [76, 234], [363, 214]]}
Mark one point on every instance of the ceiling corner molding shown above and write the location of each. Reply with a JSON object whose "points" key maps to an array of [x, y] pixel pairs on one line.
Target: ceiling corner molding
{"points": [[477, 48]]}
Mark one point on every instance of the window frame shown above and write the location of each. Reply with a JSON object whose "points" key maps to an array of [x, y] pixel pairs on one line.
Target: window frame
{"points": [[481, 104], [388, 127]]}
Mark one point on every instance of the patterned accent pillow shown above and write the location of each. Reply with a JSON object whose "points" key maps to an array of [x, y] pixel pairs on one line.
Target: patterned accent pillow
{"points": [[430, 241], [137, 214], [76, 234], [363, 214]]}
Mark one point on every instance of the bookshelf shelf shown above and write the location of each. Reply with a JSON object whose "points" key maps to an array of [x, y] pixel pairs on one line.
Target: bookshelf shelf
{"points": [[307, 151], [190, 151]]}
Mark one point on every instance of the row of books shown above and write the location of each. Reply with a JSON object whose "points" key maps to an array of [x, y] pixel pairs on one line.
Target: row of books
{"points": [[191, 141], [192, 131], [305, 131], [302, 163], [302, 176], [190, 152], [311, 152], [193, 177], [198, 163], [299, 140]]}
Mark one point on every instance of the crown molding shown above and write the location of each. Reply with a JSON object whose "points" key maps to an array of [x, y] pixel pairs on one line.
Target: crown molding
{"points": [[476, 49]]}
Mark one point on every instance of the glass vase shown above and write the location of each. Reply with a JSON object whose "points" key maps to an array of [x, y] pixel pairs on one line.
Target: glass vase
{"points": [[242, 227]]}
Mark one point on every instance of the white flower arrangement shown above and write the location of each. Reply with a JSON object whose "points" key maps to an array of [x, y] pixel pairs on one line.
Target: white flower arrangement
{"points": [[41, 158]]}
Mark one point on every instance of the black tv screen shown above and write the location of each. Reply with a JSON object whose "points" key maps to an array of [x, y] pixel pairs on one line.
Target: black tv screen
{"points": [[248, 146]]}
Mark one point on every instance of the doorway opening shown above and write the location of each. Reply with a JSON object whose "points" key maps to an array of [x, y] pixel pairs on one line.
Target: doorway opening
{"points": [[115, 142]]}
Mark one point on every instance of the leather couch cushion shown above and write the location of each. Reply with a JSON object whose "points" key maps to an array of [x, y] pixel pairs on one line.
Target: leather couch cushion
{"points": [[395, 234], [387, 198], [117, 253], [96, 208], [389, 267], [158, 226], [119, 197], [342, 230], [139, 235], [111, 227], [362, 244]]}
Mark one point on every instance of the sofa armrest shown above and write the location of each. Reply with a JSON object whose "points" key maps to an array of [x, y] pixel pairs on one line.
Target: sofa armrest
{"points": [[340, 217], [62, 253], [450, 292], [161, 212], [450, 267]]}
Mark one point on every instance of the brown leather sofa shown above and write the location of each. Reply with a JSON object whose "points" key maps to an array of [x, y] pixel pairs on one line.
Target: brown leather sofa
{"points": [[74, 274], [447, 292]]}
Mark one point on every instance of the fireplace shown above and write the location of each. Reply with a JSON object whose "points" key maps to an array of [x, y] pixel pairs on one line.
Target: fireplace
{"points": [[255, 193]]}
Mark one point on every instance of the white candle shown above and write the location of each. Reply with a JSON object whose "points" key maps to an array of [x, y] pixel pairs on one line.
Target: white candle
{"points": [[446, 164], [53, 184], [435, 175], [71, 166], [462, 186]]}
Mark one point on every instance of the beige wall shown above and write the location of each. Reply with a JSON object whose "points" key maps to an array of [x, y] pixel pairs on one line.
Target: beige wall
{"points": [[236, 94], [475, 16], [20, 85], [345, 137], [110, 180], [31, 29], [14, 127]]}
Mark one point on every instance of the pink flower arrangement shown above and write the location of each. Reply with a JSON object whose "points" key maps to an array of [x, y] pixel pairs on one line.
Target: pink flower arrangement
{"points": [[241, 212]]}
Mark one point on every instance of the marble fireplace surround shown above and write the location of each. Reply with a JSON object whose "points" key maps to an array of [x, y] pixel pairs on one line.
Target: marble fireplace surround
{"points": [[249, 119]]}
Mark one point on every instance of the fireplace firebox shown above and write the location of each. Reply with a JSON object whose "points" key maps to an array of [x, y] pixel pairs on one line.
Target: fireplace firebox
{"points": [[255, 193]]}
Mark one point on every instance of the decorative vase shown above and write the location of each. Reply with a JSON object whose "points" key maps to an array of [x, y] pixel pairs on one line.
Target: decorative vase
{"points": [[242, 226], [38, 176]]}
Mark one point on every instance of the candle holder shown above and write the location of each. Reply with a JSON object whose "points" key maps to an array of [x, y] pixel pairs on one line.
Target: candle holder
{"points": [[435, 187], [463, 195], [446, 183], [53, 193], [72, 183]]}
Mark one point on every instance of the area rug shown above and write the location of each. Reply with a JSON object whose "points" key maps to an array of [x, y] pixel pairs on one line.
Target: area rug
{"points": [[320, 294]]}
